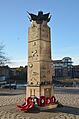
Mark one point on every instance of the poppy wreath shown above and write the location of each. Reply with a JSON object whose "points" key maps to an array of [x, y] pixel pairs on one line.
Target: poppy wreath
{"points": [[48, 100], [42, 101], [29, 99], [27, 107], [53, 100], [36, 100]]}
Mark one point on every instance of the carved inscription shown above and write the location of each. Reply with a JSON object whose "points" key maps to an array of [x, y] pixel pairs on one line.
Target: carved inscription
{"points": [[35, 73]]}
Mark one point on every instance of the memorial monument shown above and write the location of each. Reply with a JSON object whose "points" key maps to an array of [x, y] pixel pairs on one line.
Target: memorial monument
{"points": [[39, 90], [39, 81]]}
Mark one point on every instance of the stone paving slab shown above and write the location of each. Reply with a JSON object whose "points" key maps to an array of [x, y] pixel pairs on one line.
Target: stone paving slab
{"points": [[8, 108], [11, 112]]}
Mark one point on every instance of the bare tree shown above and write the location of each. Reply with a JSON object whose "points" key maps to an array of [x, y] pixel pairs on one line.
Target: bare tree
{"points": [[3, 59]]}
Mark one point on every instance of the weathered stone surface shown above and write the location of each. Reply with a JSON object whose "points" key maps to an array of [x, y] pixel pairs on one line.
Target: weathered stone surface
{"points": [[39, 60]]}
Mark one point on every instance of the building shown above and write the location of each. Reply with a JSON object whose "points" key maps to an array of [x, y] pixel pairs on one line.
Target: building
{"points": [[63, 68], [75, 71], [5, 74], [19, 74], [13, 75]]}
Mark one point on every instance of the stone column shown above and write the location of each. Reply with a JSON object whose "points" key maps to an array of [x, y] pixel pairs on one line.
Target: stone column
{"points": [[39, 60]]}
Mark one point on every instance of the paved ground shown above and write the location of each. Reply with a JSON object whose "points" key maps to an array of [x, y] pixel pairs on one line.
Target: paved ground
{"points": [[69, 97]]}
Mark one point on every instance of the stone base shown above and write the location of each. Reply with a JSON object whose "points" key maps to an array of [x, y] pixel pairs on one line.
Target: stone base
{"points": [[48, 107]]}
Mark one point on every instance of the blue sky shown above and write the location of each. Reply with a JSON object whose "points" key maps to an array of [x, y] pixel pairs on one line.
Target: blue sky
{"points": [[64, 28]]}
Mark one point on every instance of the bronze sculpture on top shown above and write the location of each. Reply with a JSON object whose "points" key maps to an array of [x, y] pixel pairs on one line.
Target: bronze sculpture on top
{"points": [[40, 17]]}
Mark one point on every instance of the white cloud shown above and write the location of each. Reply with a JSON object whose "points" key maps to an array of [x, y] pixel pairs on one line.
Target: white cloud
{"points": [[17, 63], [75, 60], [23, 62]]}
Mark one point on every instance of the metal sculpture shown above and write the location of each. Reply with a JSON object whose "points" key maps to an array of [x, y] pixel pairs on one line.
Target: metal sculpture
{"points": [[40, 17]]}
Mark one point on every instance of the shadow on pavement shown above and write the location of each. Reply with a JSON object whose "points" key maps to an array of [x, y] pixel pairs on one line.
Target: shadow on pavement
{"points": [[64, 109]]}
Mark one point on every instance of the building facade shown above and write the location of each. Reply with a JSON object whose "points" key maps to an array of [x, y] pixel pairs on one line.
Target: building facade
{"points": [[19, 74], [16, 75], [63, 69], [5, 74], [75, 71]]}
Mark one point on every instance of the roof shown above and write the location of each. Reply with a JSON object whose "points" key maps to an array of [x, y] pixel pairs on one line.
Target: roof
{"points": [[57, 61]]}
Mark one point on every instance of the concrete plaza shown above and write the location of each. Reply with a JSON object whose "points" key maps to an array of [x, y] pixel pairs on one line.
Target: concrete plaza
{"points": [[69, 97]]}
